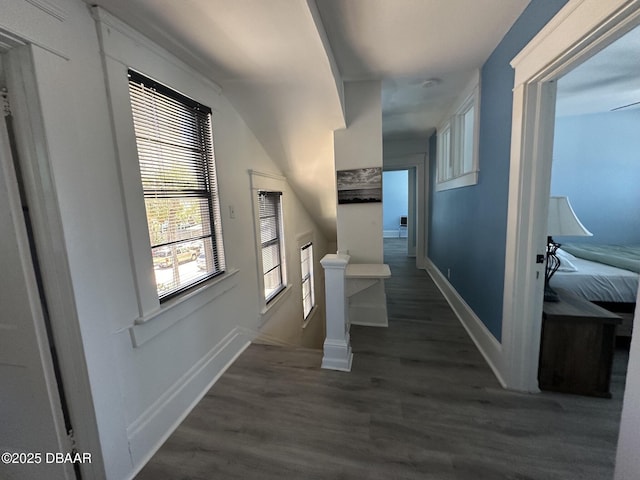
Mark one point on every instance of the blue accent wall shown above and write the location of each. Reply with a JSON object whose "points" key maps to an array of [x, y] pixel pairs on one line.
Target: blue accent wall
{"points": [[468, 225], [596, 163], [395, 198]]}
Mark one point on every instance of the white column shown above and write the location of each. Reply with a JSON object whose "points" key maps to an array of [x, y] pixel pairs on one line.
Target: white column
{"points": [[337, 346]]}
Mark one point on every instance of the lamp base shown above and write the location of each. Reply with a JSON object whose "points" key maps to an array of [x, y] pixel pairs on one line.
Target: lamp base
{"points": [[550, 295]]}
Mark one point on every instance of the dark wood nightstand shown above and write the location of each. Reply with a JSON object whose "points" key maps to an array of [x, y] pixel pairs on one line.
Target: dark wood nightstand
{"points": [[576, 346]]}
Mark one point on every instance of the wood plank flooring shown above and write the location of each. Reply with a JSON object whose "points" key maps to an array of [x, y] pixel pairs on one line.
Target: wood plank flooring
{"points": [[420, 403]]}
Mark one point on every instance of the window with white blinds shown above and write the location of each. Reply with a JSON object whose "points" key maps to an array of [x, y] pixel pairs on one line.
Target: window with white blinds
{"points": [[174, 140], [306, 265], [271, 243]]}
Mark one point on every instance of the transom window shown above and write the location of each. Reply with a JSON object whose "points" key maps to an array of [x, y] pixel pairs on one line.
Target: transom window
{"points": [[174, 140], [271, 243], [457, 164]]}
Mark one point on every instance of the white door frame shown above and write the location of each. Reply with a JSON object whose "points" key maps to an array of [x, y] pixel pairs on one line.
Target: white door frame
{"points": [[417, 214], [50, 244], [577, 32]]}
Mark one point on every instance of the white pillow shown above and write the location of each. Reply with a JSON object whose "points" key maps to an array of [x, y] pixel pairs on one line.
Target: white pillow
{"points": [[566, 265]]}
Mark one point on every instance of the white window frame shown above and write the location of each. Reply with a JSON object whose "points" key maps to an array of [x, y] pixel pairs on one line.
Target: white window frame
{"points": [[452, 134], [270, 182], [309, 277], [214, 254], [124, 49], [444, 168], [278, 241]]}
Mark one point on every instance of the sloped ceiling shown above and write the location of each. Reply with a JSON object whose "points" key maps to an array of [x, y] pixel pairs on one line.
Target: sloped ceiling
{"points": [[282, 64]]}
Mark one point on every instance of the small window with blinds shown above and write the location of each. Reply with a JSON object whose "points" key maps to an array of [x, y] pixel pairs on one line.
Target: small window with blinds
{"points": [[271, 243], [306, 265], [174, 139]]}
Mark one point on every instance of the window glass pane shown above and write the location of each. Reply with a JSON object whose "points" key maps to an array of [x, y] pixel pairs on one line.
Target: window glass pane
{"points": [[444, 164], [467, 140], [272, 283], [270, 257], [180, 264], [175, 152], [306, 266], [271, 242], [172, 219]]}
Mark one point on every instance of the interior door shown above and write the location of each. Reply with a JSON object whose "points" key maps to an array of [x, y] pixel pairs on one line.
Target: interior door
{"points": [[31, 416]]}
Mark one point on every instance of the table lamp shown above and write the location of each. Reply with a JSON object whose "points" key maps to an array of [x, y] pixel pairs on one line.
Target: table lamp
{"points": [[562, 221]]}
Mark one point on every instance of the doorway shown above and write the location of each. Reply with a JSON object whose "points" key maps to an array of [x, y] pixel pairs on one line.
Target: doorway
{"points": [[415, 166], [35, 415], [40, 299], [579, 33], [395, 208]]}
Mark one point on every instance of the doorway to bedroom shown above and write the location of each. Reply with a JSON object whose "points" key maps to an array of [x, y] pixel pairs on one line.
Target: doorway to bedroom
{"points": [[594, 176]]}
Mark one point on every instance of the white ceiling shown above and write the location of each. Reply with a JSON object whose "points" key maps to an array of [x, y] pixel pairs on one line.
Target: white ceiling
{"points": [[607, 81], [275, 62], [405, 42]]}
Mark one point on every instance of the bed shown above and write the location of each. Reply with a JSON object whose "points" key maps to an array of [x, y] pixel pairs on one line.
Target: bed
{"points": [[594, 273]]}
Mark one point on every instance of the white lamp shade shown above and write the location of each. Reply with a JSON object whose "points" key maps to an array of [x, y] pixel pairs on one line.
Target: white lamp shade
{"points": [[563, 221]]}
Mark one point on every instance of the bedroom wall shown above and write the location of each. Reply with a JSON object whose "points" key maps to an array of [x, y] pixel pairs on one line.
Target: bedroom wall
{"points": [[141, 391], [395, 194], [468, 225], [596, 164]]}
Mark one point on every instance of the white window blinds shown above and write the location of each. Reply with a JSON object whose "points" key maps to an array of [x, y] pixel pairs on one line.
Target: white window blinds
{"points": [[271, 243], [306, 265], [175, 151]]}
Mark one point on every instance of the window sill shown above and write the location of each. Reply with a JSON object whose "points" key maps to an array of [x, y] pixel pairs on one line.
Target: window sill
{"points": [[175, 310], [274, 304], [465, 180]]}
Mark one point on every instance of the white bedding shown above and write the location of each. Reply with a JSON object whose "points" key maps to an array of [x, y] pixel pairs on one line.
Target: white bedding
{"points": [[597, 282]]}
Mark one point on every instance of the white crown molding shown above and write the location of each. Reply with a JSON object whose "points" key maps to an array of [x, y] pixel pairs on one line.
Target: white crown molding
{"points": [[49, 8], [103, 17], [10, 39]]}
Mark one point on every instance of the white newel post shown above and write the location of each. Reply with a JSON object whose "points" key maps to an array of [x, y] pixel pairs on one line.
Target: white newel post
{"points": [[337, 346]]}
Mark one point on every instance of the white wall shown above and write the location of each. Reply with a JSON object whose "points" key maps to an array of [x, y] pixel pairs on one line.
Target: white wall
{"points": [[360, 146], [140, 392], [402, 147]]}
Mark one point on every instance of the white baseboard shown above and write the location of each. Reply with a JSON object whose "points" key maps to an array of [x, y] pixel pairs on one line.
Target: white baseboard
{"points": [[489, 347], [149, 431]]}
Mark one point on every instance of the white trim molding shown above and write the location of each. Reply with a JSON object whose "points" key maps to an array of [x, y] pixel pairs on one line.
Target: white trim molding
{"points": [[180, 308], [35, 159], [417, 229], [581, 29], [50, 8], [151, 429], [452, 133], [486, 343], [119, 47]]}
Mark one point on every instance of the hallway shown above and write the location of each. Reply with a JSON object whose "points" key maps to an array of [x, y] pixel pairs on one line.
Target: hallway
{"points": [[420, 403]]}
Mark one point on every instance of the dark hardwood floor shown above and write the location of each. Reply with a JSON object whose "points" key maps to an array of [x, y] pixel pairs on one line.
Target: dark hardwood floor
{"points": [[420, 403]]}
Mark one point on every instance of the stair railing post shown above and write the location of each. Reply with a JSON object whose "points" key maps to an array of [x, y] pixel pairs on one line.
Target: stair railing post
{"points": [[337, 344]]}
